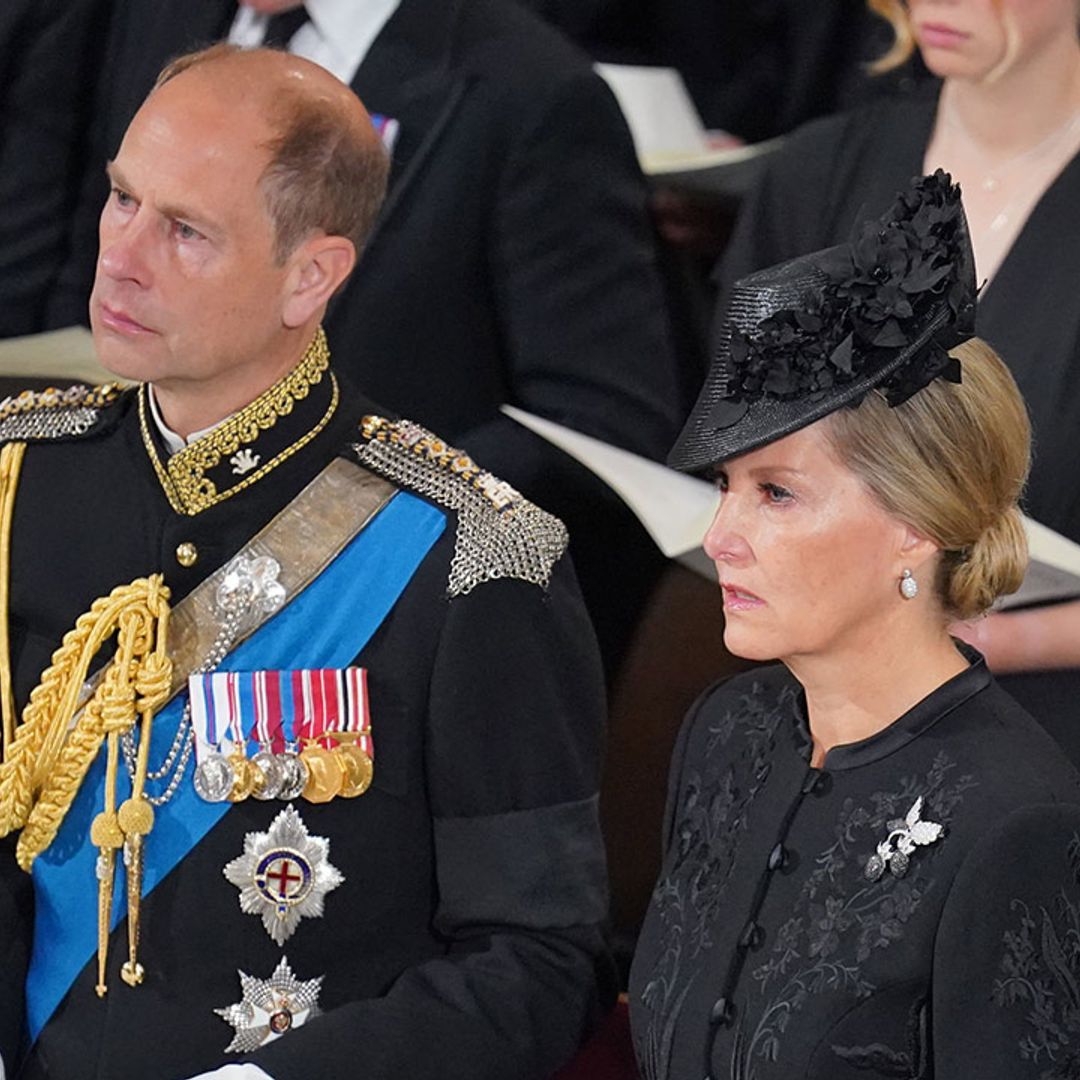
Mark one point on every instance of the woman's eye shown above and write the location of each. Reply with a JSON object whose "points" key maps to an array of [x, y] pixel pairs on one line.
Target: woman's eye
{"points": [[776, 494], [721, 481]]}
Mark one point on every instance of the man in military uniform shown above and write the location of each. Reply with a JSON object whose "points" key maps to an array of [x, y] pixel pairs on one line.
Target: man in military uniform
{"points": [[362, 839]]}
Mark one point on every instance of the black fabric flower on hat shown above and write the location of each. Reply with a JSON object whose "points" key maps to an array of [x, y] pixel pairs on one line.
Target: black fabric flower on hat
{"points": [[878, 297]]}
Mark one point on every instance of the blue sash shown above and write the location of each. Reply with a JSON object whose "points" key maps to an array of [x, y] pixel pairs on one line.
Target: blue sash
{"points": [[326, 625]]}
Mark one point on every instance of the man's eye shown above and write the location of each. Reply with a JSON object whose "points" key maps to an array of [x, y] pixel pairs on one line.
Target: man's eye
{"points": [[123, 199], [721, 481], [185, 231]]}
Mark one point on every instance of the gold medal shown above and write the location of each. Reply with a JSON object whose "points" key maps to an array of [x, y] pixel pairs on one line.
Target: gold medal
{"points": [[325, 774], [358, 770], [356, 765], [246, 777]]}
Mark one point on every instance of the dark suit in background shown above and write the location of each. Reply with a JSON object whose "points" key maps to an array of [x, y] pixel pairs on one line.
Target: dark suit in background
{"points": [[756, 69], [48, 58], [514, 260]]}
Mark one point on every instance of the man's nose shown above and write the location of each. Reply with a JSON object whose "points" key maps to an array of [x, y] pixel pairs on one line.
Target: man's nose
{"points": [[125, 247]]}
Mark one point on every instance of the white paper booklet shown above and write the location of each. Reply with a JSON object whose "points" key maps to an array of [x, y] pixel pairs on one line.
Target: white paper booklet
{"points": [[659, 112], [66, 354], [676, 509]]}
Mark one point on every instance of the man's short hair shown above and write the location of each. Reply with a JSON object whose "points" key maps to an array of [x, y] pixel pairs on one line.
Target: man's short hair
{"points": [[323, 174]]}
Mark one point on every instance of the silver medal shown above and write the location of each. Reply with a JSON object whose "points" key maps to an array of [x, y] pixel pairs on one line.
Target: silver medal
{"points": [[273, 775], [294, 775], [284, 875], [270, 1007], [214, 778]]}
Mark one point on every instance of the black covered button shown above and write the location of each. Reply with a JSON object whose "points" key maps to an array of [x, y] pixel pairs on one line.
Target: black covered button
{"points": [[723, 1012], [817, 783], [778, 857], [752, 936]]}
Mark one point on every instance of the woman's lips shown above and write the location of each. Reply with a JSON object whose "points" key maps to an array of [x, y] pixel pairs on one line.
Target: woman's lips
{"points": [[939, 36], [738, 599], [121, 322]]}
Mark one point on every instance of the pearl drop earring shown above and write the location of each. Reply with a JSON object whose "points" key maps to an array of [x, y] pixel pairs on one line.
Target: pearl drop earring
{"points": [[909, 587]]}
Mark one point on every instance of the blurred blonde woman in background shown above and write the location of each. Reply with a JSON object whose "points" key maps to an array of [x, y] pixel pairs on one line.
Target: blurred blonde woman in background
{"points": [[1003, 117]]}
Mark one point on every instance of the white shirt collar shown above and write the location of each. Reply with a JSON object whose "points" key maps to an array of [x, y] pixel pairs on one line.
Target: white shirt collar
{"points": [[175, 443], [338, 36]]}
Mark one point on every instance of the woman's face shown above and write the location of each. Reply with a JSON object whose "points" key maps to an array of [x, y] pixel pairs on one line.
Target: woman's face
{"points": [[969, 39], [808, 561]]}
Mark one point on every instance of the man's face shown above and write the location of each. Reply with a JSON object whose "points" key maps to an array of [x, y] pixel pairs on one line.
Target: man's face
{"points": [[186, 287]]}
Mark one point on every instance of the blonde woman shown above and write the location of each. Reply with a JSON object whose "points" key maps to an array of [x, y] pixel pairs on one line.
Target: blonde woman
{"points": [[1004, 119], [870, 849]]}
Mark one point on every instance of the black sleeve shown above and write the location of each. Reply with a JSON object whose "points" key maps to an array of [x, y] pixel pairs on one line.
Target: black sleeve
{"points": [[46, 82], [574, 264], [1006, 976], [514, 722]]}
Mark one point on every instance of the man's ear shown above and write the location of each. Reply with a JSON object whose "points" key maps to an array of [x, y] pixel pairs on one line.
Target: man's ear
{"points": [[318, 267]]}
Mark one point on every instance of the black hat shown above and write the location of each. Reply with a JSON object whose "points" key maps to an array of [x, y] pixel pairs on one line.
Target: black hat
{"points": [[805, 338]]}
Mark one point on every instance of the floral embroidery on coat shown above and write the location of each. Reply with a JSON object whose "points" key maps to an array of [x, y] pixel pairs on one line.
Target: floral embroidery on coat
{"points": [[710, 819], [840, 918], [1040, 970]]}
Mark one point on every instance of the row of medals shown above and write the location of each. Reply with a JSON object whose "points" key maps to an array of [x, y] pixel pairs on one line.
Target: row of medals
{"points": [[314, 773]]}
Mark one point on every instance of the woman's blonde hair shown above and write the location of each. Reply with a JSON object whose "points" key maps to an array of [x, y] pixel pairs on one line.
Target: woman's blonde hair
{"points": [[951, 462], [896, 14]]}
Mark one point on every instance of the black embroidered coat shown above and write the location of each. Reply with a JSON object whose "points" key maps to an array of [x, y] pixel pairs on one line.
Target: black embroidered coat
{"points": [[770, 953]]}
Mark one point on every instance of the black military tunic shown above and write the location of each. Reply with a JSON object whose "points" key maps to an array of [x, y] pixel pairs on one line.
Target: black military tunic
{"points": [[777, 946], [464, 939]]}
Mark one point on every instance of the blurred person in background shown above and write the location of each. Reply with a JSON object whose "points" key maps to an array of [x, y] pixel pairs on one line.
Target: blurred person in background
{"points": [[754, 70], [1003, 117], [49, 51]]}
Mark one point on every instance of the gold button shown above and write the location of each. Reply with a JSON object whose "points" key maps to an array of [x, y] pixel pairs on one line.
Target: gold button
{"points": [[187, 554]]}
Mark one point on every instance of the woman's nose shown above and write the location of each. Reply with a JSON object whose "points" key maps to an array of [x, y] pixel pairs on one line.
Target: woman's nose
{"points": [[724, 541]]}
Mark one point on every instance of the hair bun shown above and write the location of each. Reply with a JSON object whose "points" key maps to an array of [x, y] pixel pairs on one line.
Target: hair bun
{"points": [[994, 566]]}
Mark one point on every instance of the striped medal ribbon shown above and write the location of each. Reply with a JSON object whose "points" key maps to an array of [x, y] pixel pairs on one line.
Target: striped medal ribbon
{"points": [[309, 731]]}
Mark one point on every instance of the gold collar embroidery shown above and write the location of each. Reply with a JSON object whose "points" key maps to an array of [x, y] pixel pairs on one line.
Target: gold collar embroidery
{"points": [[183, 477]]}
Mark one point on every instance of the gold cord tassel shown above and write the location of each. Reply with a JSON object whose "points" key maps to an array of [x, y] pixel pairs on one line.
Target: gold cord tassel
{"points": [[11, 458], [49, 757]]}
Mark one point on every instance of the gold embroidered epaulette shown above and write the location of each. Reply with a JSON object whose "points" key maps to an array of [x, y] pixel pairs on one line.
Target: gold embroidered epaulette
{"points": [[500, 534], [36, 415]]}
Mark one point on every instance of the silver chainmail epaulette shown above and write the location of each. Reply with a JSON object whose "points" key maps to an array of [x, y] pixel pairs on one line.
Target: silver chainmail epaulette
{"points": [[500, 534], [54, 414]]}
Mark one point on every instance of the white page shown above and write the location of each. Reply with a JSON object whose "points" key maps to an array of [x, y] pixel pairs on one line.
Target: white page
{"points": [[56, 354], [676, 510], [658, 109]]}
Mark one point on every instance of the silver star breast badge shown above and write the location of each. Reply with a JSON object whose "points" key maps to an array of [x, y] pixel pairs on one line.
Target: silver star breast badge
{"points": [[270, 1007], [905, 835], [284, 875]]}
